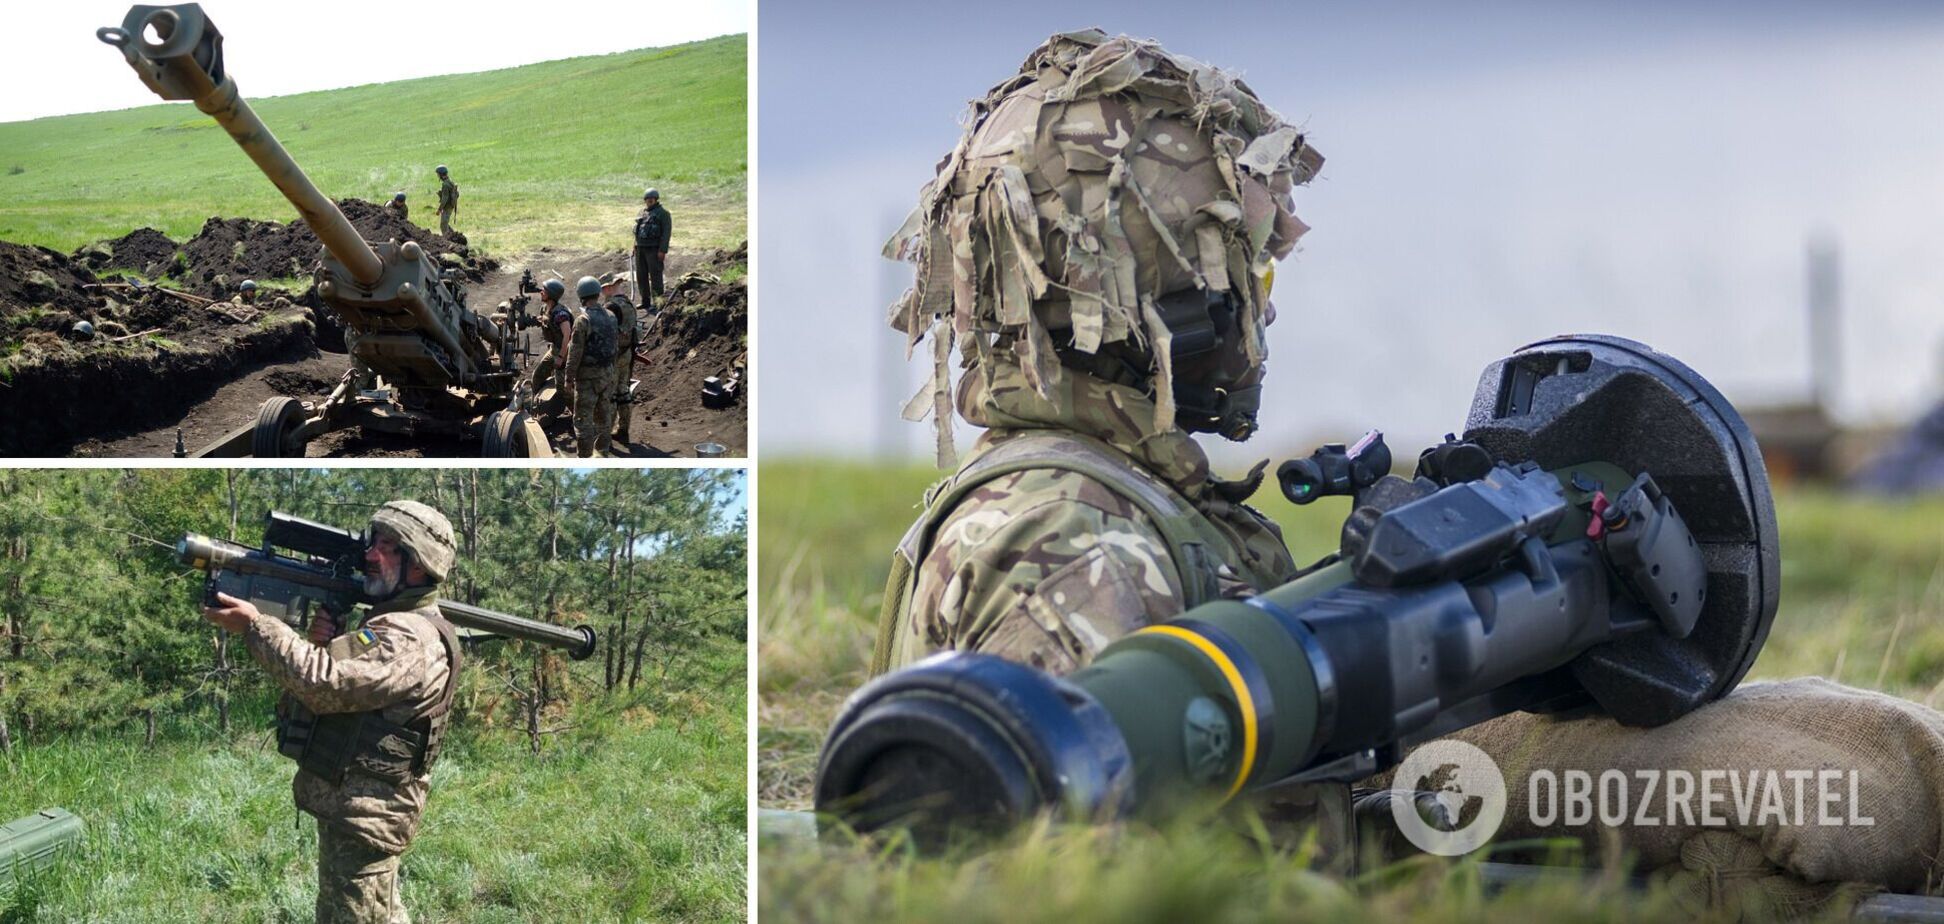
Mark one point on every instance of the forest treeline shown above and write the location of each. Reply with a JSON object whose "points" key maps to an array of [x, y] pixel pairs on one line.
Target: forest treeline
{"points": [[101, 632]]}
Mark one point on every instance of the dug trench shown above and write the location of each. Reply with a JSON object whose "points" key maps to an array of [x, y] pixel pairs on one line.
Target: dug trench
{"points": [[161, 363]]}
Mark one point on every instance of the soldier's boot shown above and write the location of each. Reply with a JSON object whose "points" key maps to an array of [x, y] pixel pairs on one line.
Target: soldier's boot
{"points": [[623, 416]]}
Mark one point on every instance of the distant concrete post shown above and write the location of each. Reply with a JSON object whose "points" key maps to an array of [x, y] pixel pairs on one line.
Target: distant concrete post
{"points": [[1825, 319]]}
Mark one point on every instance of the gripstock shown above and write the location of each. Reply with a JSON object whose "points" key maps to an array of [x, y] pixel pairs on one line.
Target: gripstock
{"points": [[303, 564], [1602, 535]]}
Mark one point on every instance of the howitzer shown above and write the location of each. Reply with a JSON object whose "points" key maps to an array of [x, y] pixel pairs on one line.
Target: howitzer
{"points": [[1602, 536], [31, 843], [303, 564], [438, 358]]}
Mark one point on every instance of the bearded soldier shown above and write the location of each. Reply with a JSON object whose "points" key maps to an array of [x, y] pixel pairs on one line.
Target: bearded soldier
{"points": [[1099, 247], [448, 201], [590, 354], [364, 713]]}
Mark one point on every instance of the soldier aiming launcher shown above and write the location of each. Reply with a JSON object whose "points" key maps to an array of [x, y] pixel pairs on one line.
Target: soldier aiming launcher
{"points": [[451, 372], [328, 565], [1603, 535]]}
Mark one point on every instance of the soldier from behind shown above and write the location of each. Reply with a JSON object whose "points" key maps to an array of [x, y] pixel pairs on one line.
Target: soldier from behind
{"points": [[653, 228], [448, 201], [615, 299], [1102, 341], [398, 207], [1117, 300], [364, 713], [595, 340], [556, 326]]}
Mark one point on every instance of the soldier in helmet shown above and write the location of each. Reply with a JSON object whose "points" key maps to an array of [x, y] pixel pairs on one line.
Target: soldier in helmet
{"points": [[1107, 283], [398, 207], [653, 228], [592, 347], [1098, 341], [614, 298], [364, 712], [556, 327], [448, 201]]}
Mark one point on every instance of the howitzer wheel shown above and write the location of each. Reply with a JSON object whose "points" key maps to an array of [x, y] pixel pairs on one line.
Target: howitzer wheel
{"points": [[277, 423], [505, 436]]}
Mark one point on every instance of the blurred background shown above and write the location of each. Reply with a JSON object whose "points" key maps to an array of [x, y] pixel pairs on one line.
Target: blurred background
{"points": [[1757, 189]]}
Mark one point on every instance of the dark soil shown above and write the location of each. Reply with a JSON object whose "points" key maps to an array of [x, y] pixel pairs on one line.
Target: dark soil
{"points": [[145, 251], [192, 370], [228, 250]]}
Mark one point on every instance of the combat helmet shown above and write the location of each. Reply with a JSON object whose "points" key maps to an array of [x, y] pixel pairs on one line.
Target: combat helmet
{"points": [[588, 287], [424, 533], [554, 289], [1111, 210], [398, 197], [651, 193], [249, 285], [440, 170]]}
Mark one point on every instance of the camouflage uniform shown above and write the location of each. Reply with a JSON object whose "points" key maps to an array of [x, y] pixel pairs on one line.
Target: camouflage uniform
{"points": [[550, 365], [624, 312], [593, 392], [404, 211], [396, 664], [1102, 178], [448, 205], [653, 230], [1046, 566]]}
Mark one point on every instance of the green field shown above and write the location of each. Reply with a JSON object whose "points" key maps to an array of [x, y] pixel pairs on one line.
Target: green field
{"points": [[552, 154], [635, 814], [1862, 602]]}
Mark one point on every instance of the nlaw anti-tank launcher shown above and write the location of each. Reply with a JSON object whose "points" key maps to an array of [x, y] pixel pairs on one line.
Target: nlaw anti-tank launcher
{"points": [[448, 371]]}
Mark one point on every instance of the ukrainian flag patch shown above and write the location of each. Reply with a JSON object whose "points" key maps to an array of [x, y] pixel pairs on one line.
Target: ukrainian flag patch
{"points": [[367, 639]]}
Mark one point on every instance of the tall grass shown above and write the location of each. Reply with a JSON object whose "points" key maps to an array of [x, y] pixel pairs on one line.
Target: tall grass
{"points": [[552, 154], [636, 812]]}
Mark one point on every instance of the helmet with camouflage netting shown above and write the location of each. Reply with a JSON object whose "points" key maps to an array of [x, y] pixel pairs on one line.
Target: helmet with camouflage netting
{"points": [[1112, 210], [422, 531]]}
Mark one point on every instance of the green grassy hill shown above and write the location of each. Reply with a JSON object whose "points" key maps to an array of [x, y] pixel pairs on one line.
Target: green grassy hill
{"points": [[551, 154]]}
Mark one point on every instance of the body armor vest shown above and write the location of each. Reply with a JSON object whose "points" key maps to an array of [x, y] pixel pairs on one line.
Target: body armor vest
{"points": [[603, 337], [369, 743]]}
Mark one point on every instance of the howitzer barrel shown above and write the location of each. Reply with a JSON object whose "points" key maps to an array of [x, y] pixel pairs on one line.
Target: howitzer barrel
{"points": [[178, 53]]}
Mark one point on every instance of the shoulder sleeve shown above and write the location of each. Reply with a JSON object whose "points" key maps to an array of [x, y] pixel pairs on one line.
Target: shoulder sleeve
{"points": [[383, 662], [1041, 567]]}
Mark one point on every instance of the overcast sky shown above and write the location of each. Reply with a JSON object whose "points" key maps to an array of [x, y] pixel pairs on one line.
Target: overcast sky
{"points": [[54, 65], [1497, 173]]}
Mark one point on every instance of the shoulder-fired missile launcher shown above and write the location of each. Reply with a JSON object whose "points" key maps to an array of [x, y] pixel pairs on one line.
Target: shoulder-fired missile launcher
{"points": [[450, 372]]}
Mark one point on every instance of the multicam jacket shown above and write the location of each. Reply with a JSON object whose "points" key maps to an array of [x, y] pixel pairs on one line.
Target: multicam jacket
{"points": [[395, 663], [448, 196], [1046, 565]]}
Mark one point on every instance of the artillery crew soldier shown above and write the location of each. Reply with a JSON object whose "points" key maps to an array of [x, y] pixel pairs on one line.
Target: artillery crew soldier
{"points": [[595, 340], [556, 325], [398, 207], [448, 201], [364, 713], [628, 320], [653, 228]]}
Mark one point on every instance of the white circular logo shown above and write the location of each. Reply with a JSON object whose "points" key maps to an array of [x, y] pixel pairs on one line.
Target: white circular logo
{"points": [[1448, 798]]}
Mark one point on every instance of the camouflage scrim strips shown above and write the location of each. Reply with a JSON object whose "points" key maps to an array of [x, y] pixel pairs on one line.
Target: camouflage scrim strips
{"points": [[1105, 174]]}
